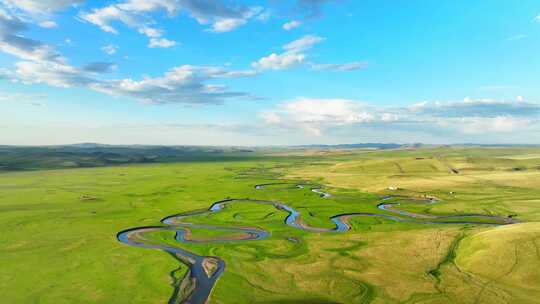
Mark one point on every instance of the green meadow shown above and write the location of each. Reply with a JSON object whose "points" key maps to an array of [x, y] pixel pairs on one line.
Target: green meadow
{"points": [[58, 235]]}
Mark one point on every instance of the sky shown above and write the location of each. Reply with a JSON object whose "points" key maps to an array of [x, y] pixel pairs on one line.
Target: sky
{"points": [[274, 72]]}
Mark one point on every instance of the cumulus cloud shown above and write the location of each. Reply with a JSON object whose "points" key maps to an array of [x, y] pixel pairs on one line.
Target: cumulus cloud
{"points": [[185, 84], [40, 7], [315, 116], [221, 25], [137, 14], [13, 42], [133, 13], [291, 25], [161, 43], [338, 111], [104, 17], [279, 61], [41, 64], [51, 73], [227, 25], [293, 56]]}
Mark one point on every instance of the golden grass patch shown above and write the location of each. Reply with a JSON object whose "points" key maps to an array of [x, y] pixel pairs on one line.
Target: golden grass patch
{"points": [[507, 257]]}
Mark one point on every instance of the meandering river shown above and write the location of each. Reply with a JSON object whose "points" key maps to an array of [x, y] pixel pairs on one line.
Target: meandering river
{"points": [[205, 270]]}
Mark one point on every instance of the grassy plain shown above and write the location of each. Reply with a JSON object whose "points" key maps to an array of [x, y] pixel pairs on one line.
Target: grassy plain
{"points": [[58, 235]]}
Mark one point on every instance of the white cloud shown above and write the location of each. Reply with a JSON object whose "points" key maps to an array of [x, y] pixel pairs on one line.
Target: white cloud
{"points": [[485, 125], [48, 24], [222, 25], [28, 49], [344, 67], [291, 25], [132, 14], [293, 56], [496, 124], [303, 44], [110, 49], [104, 16], [185, 84], [316, 116], [476, 107], [137, 14], [150, 32], [161, 43], [51, 73], [227, 25], [40, 7], [41, 64], [339, 111], [279, 61], [13, 42], [170, 6]]}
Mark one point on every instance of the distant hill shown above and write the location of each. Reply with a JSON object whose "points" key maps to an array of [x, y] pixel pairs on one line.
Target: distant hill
{"points": [[17, 158], [354, 146], [498, 145]]}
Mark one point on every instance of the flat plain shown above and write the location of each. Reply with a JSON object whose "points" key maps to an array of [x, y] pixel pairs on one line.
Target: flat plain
{"points": [[58, 239]]}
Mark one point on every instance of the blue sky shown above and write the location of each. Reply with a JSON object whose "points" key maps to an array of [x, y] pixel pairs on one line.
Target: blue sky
{"points": [[269, 72]]}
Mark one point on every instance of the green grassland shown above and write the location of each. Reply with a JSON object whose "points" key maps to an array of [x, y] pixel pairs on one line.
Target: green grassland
{"points": [[58, 234]]}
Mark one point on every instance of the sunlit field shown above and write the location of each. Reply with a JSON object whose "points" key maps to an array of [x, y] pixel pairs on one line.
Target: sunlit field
{"points": [[59, 229]]}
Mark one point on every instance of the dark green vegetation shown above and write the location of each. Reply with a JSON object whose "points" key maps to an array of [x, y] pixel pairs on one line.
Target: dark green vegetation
{"points": [[92, 155], [58, 238]]}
